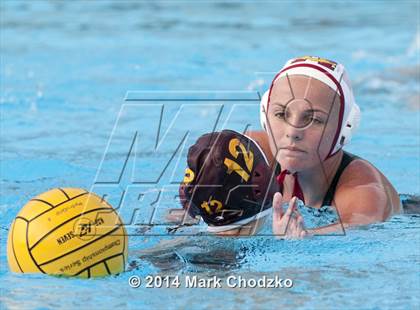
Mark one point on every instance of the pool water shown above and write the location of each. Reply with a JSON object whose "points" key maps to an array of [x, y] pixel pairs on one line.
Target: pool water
{"points": [[72, 75]]}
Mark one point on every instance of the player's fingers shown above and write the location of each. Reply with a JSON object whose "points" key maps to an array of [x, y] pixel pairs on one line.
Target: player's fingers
{"points": [[289, 210], [277, 208]]}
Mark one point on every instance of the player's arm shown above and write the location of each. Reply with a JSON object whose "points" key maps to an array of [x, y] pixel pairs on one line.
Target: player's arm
{"points": [[363, 204], [365, 196]]}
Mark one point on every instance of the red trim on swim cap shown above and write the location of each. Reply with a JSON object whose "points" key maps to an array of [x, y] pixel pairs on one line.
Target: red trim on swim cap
{"points": [[340, 90]]}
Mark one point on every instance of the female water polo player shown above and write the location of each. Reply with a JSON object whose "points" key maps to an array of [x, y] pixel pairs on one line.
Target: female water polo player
{"points": [[308, 115]]}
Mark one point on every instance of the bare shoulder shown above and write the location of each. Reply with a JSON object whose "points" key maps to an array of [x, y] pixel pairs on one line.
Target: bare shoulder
{"points": [[364, 195], [360, 172]]}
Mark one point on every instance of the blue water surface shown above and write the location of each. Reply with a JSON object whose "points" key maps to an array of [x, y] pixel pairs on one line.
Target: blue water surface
{"points": [[66, 70]]}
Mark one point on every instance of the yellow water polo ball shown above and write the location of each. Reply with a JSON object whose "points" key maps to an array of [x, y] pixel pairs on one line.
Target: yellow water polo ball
{"points": [[67, 231]]}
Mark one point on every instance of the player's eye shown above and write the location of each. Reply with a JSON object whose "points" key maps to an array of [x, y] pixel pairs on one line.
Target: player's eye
{"points": [[280, 114]]}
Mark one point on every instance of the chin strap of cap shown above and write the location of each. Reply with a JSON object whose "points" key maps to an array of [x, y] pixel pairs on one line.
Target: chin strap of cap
{"points": [[297, 190]]}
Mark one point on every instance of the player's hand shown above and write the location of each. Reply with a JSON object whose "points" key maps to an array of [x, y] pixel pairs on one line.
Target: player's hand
{"points": [[287, 225]]}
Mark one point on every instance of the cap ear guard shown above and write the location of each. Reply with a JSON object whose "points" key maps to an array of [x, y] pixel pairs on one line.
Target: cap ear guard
{"points": [[350, 126], [263, 110]]}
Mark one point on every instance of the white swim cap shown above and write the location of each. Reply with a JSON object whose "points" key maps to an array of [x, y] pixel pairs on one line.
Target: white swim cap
{"points": [[335, 76]]}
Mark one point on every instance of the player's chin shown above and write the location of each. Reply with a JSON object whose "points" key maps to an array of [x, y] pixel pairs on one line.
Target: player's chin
{"points": [[293, 162]]}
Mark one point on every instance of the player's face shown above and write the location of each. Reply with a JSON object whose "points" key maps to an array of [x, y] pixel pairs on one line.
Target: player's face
{"points": [[302, 121]]}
